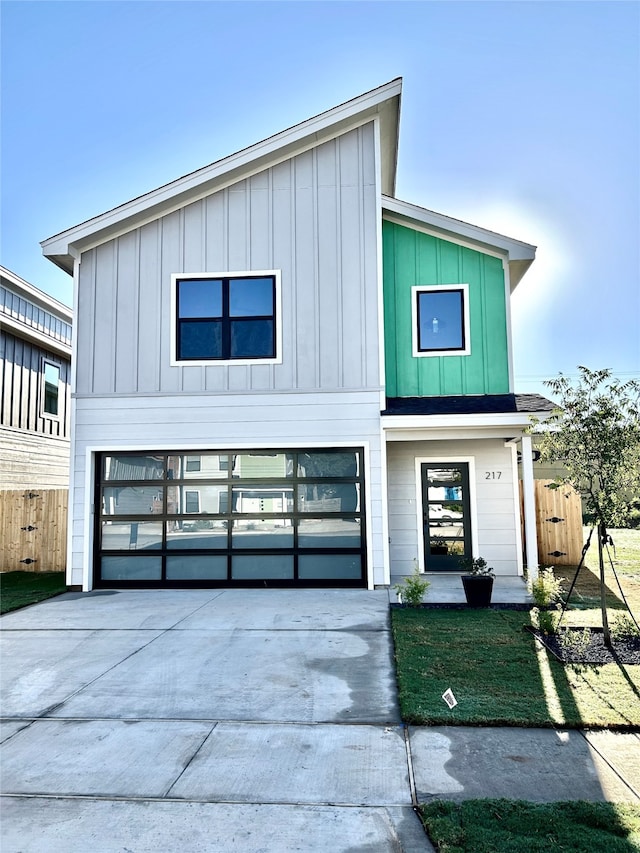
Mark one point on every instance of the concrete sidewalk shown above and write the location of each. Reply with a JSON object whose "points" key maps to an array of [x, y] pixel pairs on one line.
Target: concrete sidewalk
{"points": [[245, 720]]}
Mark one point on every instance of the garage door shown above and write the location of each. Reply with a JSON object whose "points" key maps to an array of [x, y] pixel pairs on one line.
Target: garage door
{"points": [[225, 518]]}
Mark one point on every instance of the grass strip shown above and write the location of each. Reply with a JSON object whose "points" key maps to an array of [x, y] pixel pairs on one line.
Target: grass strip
{"points": [[500, 676], [17, 589], [514, 826]]}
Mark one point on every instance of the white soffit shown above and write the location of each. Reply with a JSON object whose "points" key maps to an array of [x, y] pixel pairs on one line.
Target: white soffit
{"points": [[519, 255], [382, 103]]}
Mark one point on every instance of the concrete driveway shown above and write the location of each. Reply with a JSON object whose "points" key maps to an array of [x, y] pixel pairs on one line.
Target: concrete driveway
{"points": [[261, 721], [204, 720]]}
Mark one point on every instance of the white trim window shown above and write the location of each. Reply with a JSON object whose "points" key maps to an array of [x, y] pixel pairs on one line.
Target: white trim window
{"points": [[440, 320], [191, 501], [226, 318], [50, 393]]}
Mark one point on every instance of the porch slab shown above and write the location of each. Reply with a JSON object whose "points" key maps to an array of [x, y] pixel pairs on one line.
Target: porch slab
{"points": [[447, 589]]}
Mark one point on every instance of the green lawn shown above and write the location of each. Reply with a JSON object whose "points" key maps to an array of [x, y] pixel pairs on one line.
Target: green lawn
{"points": [[586, 594], [500, 675], [17, 589], [510, 826]]}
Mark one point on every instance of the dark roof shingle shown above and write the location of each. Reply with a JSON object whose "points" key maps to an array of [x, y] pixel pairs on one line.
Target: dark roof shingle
{"points": [[471, 404]]}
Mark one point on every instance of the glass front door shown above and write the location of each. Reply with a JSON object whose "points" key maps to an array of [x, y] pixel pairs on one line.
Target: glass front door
{"points": [[446, 516]]}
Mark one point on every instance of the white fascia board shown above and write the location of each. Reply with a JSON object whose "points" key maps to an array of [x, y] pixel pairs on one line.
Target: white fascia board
{"points": [[507, 420], [383, 102], [519, 255], [35, 295]]}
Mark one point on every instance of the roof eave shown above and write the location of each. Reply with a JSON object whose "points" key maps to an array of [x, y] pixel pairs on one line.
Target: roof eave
{"points": [[518, 254], [382, 102], [37, 296]]}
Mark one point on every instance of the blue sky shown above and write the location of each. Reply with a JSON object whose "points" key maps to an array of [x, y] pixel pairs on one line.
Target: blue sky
{"points": [[516, 116]]}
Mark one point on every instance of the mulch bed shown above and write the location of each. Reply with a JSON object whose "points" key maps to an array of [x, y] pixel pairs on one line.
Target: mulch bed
{"points": [[596, 652]]}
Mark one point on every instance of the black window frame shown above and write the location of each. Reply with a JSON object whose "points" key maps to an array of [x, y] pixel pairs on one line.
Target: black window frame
{"points": [[422, 348], [226, 320]]}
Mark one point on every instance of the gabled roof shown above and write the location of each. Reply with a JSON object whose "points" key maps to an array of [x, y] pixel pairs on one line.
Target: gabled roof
{"points": [[382, 102], [519, 255]]}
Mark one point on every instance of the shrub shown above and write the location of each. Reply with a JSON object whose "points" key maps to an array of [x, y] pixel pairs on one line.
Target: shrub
{"points": [[573, 642], [545, 620], [623, 628], [546, 589], [413, 589]]}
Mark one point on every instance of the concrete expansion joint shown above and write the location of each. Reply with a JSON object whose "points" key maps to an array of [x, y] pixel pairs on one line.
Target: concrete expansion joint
{"points": [[114, 798], [412, 781]]}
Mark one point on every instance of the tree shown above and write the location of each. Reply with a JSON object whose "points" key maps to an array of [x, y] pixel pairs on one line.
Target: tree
{"points": [[595, 434]]}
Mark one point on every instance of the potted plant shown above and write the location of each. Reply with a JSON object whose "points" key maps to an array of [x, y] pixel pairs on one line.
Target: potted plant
{"points": [[478, 582]]}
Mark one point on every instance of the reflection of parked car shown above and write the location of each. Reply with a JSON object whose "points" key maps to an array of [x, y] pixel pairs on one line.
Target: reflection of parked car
{"points": [[443, 515]]}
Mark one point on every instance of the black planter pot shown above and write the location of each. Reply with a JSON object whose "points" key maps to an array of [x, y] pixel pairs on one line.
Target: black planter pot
{"points": [[477, 590]]}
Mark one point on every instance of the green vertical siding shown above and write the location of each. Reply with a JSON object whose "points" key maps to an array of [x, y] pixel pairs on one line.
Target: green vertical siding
{"points": [[413, 258]]}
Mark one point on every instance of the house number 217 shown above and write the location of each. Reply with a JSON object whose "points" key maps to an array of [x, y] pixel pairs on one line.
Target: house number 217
{"points": [[492, 475]]}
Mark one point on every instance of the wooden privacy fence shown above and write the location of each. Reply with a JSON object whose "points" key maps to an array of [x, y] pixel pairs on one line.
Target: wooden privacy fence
{"points": [[558, 524], [33, 530]]}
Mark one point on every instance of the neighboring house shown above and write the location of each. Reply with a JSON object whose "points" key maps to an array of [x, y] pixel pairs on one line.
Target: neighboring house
{"points": [[286, 376], [35, 348]]}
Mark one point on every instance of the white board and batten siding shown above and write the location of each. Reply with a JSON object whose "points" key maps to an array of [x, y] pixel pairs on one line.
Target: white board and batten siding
{"points": [[313, 218], [495, 511]]}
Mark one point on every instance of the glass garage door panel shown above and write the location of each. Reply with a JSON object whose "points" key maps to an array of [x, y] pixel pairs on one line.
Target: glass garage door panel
{"points": [[329, 533], [260, 534], [192, 567], [202, 534], [131, 568], [262, 567], [216, 518], [325, 567]]}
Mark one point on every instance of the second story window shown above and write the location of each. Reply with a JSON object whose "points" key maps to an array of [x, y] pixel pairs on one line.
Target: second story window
{"points": [[225, 317], [440, 320], [51, 389]]}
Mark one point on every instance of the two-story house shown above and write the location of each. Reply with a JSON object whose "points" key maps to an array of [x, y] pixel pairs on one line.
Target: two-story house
{"points": [[286, 376], [35, 361]]}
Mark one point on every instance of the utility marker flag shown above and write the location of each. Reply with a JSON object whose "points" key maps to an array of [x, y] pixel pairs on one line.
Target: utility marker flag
{"points": [[449, 698]]}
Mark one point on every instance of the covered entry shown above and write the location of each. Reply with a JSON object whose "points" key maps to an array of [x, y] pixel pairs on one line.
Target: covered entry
{"points": [[224, 518]]}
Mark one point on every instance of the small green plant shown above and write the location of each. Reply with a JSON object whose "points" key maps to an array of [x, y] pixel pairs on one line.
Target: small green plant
{"points": [[546, 589], [623, 628], [477, 566], [545, 620], [573, 642], [412, 589]]}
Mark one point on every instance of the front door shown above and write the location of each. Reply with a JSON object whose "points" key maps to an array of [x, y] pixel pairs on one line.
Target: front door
{"points": [[446, 515]]}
